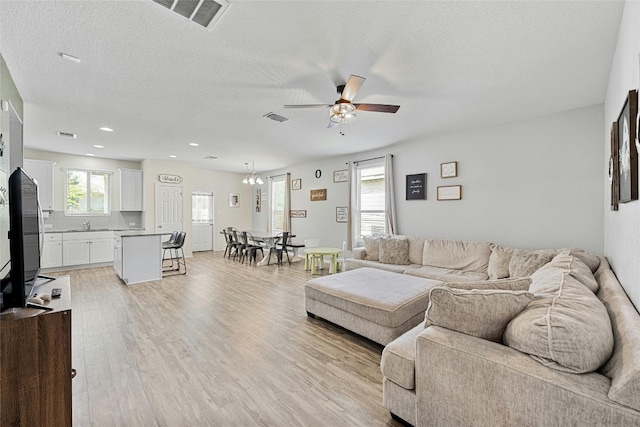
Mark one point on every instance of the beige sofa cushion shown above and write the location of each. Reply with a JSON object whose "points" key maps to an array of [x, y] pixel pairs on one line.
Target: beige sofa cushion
{"points": [[394, 250], [416, 249], [519, 284], [446, 274], [567, 262], [398, 361], [567, 328], [372, 248], [498, 267], [525, 263], [457, 254], [482, 313], [352, 264]]}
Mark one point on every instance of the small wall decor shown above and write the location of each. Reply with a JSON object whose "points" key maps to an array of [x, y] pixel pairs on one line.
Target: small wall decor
{"points": [[450, 192], [318, 173], [320, 194], [416, 187], [258, 201], [342, 214], [167, 178], [448, 170], [296, 184], [613, 167], [341, 176], [627, 154], [298, 214], [234, 200]]}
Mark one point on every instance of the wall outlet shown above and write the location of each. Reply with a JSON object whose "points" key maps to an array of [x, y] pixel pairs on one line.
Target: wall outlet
{"points": [[48, 226], [132, 224]]}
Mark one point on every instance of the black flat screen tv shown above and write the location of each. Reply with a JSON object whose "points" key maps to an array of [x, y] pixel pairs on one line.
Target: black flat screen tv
{"points": [[24, 240]]}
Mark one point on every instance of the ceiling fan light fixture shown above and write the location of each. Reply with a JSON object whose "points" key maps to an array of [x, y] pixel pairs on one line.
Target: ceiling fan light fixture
{"points": [[342, 112]]}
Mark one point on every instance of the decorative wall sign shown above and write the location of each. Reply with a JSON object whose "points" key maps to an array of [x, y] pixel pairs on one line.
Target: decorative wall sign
{"points": [[318, 173], [169, 179], [258, 201], [341, 176], [450, 192], [448, 170], [234, 200], [627, 153], [320, 194], [296, 184], [416, 188], [298, 214], [342, 214]]}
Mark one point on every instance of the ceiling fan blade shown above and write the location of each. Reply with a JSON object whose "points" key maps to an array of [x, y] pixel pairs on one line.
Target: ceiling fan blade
{"points": [[352, 87], [309, 106], [380, 108], [331, 125]]}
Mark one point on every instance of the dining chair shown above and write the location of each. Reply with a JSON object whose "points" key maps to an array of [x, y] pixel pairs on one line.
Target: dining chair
{"points": [[251, 247], [280, 247], [230, 241]]}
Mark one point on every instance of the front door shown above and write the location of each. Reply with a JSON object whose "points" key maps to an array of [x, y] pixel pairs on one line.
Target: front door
{"points": [[202, 225], [168, 208]]}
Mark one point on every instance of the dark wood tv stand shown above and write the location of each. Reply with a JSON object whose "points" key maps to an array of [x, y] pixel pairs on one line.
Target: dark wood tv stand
{"points": [[35, 349]]}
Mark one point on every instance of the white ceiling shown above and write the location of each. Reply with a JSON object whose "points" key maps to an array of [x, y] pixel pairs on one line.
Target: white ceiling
{"points": [[162, 82]]}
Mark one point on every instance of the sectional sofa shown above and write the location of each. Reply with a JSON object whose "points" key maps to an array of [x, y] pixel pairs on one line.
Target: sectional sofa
{"points": [[509, 337]]}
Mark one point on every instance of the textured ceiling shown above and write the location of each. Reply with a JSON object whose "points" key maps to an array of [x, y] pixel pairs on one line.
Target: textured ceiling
{"points": [[162, 82]]}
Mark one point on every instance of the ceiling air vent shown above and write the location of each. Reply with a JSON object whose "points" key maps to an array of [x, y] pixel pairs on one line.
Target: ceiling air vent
{"points": [[202, 12], [276, 117], [67, 134]]}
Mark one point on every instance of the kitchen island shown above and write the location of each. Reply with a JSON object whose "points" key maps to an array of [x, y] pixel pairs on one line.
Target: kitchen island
{"points": [[138, 256]]}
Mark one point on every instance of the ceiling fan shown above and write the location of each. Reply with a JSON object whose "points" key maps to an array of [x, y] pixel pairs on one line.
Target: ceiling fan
{"points": [[344, 110]]}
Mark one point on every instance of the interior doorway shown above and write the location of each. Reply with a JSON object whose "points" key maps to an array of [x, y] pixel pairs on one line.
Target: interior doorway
{"points": [[168, 208], [202, 221]]}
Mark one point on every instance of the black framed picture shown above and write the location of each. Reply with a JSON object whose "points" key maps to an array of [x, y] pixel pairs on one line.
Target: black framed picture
{"points": [[627, 153], [416, 188]]}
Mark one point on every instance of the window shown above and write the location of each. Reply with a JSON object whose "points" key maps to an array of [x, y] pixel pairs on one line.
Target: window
{"points": [[202, 207], [278, 194], [369, 213], [88, 193]]}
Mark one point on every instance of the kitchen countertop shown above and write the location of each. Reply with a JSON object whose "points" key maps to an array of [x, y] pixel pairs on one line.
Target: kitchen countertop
{"points": [[140, 233], [82, 230]]}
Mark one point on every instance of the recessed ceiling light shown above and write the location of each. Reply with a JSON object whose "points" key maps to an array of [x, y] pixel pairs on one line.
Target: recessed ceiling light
{"points": [[69, 57], [194, 144], [99, 146], [172, 156], [106, 129], [90, 154]]}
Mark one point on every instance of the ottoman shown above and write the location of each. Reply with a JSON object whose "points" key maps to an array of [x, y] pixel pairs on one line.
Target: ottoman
{"points": [[374, 303]]}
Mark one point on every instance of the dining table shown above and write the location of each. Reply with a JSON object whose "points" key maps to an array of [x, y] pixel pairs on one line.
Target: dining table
{"points": [[269, 239]]}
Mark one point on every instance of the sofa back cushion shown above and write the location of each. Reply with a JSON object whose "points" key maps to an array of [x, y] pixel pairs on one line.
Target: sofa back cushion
{"points": [[457, 254], [623, 368], [498, 267], [525, 263], [416, 249], [394, 250], [372, 248], [567, 327]]}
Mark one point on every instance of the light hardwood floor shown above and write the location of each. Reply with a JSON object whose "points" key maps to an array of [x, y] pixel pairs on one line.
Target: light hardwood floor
{"points": [[226, 344]]}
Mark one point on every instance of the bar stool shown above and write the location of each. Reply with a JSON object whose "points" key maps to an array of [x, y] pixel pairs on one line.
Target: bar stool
{"points": [[174, 255]]}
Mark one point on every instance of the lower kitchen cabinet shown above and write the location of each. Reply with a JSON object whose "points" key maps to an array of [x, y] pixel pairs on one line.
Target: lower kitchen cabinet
{"points": [[51, 251], [90, 247]]}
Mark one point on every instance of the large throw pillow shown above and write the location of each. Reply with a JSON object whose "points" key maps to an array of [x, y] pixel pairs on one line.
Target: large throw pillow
{"points": [[525, 263], [499, 262], [372, 248], [518, 284], [394, 250], [480, 313], [565, 261], [567, 327]]}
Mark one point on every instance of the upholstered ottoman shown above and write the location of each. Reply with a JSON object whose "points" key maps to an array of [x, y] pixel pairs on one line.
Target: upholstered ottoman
{"points": [[374, 303]]}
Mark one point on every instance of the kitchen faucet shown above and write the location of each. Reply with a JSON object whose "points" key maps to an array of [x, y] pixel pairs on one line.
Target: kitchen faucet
{"points": [[87, 224]]}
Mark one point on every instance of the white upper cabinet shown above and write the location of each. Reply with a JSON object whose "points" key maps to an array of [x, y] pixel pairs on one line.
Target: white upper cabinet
{"points": [[42, 172], [131, 190]]}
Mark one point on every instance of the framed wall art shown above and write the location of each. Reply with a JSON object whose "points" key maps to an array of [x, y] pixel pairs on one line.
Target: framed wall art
{"points": [[341, 176], [448, 170], [627, 153], [316, 195], [258, 200], [450, 192], [416, 187], [342, 214], [613, 167], [298, 213], [234, 200], [296, 184]]}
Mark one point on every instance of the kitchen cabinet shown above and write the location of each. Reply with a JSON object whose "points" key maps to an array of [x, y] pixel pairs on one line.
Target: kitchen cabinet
{"points": [[42, 172], [138, 256], [51, 251], [131, 184], [89, 247]]}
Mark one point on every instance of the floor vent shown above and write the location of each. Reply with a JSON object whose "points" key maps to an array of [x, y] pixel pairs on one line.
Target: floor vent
{"points": [[276, 117], [203, 12], [67, 134]]}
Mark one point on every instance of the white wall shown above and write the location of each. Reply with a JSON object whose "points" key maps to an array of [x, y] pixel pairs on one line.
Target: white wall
{"points": [[622, 228], [530, 184]]}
